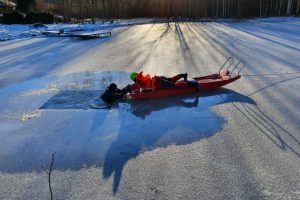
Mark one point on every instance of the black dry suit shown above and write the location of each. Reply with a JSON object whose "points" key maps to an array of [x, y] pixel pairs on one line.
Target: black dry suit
{"points": [[113, 93]]}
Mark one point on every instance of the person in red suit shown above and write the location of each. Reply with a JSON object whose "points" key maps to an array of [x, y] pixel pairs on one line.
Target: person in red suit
{"points": [[145, 81]]}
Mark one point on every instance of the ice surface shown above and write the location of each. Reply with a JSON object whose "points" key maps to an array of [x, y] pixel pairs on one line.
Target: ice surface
{"points": [[241, 142], [131, 127]]}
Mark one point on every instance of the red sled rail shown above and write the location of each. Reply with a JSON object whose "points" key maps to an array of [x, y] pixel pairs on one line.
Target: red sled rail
{"points": [[205, 83]]}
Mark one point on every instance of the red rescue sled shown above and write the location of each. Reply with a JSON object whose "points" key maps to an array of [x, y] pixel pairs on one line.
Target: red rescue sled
{"points": [[205, 83]]}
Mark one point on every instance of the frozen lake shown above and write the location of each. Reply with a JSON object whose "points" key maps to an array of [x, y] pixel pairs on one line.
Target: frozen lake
{"points": [[238, 142]]}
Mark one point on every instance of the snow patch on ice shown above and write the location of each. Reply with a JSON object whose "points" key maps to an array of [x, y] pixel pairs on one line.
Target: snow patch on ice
{"points": [[10, 32], [40, 91], [30, 115], [278, 19]]}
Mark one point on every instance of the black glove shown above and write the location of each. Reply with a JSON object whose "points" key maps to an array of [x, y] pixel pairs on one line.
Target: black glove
{"points": [[128, 88]]}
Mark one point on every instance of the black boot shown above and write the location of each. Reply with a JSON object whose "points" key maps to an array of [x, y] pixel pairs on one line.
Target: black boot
{"points": [[194, 84], [184, 76]]}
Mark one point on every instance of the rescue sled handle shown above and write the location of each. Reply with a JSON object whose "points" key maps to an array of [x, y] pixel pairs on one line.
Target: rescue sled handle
{"points": [[241, 64], [230, 61]]}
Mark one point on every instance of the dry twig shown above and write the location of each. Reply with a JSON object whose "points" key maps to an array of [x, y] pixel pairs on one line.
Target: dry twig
{"points": [[49, 175]]}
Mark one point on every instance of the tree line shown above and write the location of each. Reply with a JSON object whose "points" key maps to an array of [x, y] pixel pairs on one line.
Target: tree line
{"points": [[111, 9]]}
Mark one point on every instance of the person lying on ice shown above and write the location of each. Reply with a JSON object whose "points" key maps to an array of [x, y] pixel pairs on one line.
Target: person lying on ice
{"points": [[160, 82]]}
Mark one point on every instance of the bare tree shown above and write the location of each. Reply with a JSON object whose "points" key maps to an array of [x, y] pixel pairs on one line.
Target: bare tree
{"points": [[25, 5], [111, 9]]}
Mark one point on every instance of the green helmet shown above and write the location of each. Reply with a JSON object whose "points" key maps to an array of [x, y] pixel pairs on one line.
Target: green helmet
{"points": [[133, 75]]}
